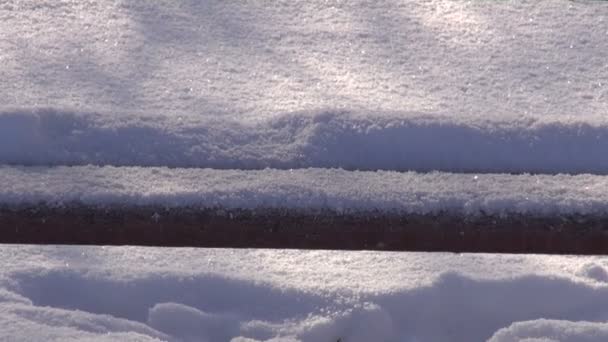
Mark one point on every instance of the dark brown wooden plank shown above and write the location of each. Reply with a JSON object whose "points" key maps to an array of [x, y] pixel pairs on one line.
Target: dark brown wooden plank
{"points": [[301, 229]]}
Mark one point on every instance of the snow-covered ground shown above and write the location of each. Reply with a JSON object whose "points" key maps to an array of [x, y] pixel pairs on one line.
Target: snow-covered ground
{"points": [[510, 86], [139, 294], [285, 101], [255, 60]]}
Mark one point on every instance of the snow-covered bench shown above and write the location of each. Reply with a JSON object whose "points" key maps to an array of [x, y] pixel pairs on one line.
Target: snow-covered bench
{"points": [[304, 209]]}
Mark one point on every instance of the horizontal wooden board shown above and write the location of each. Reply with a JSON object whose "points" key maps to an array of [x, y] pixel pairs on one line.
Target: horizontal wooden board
{"points": [[302, 229]]}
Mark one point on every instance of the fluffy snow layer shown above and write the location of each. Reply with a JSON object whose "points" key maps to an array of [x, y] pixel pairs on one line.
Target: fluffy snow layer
{"points": [[332, 189], [147, 294], [213, 58], [330, 138], [478, 86]]}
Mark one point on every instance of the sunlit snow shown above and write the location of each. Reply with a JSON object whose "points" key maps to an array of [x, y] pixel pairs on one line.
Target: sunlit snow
{"points": [[420, 106]]}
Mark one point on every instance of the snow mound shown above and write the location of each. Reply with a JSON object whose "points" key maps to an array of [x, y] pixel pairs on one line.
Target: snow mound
{"points": [[595, 272], [352, 140], [190, 324], [552, 330], [166, 303], [24, 322]]}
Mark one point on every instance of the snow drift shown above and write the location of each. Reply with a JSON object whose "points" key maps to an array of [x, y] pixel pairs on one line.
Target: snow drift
{"points": [[144, 294], [351, 140]]}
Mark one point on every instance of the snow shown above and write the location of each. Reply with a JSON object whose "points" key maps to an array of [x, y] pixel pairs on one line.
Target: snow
{"points": [[418, 106], [552, 330], [247, 59], [517, 86], [354, 140], [306, 189], [140, 294]]}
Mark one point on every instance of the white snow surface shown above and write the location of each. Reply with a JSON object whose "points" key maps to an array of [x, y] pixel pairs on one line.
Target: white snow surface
{"points": [[147, 294], [247, 58], [307, 189], [317, 86], [363, 140], [477, 86]]}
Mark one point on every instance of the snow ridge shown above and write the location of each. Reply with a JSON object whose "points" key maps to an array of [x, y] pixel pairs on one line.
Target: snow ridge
{"points": [[330, 138]]}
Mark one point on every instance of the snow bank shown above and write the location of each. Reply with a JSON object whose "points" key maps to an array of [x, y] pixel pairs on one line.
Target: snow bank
{"points": [[312, 189], [328, 138], [137, 294], [552, 330]]}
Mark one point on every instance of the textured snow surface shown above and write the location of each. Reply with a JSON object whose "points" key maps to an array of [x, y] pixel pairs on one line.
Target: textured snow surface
{"points": [[246, 58], [333, 189], [480, 86], [143, 294], [484, 87], [364, 140], [552, 330]]}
